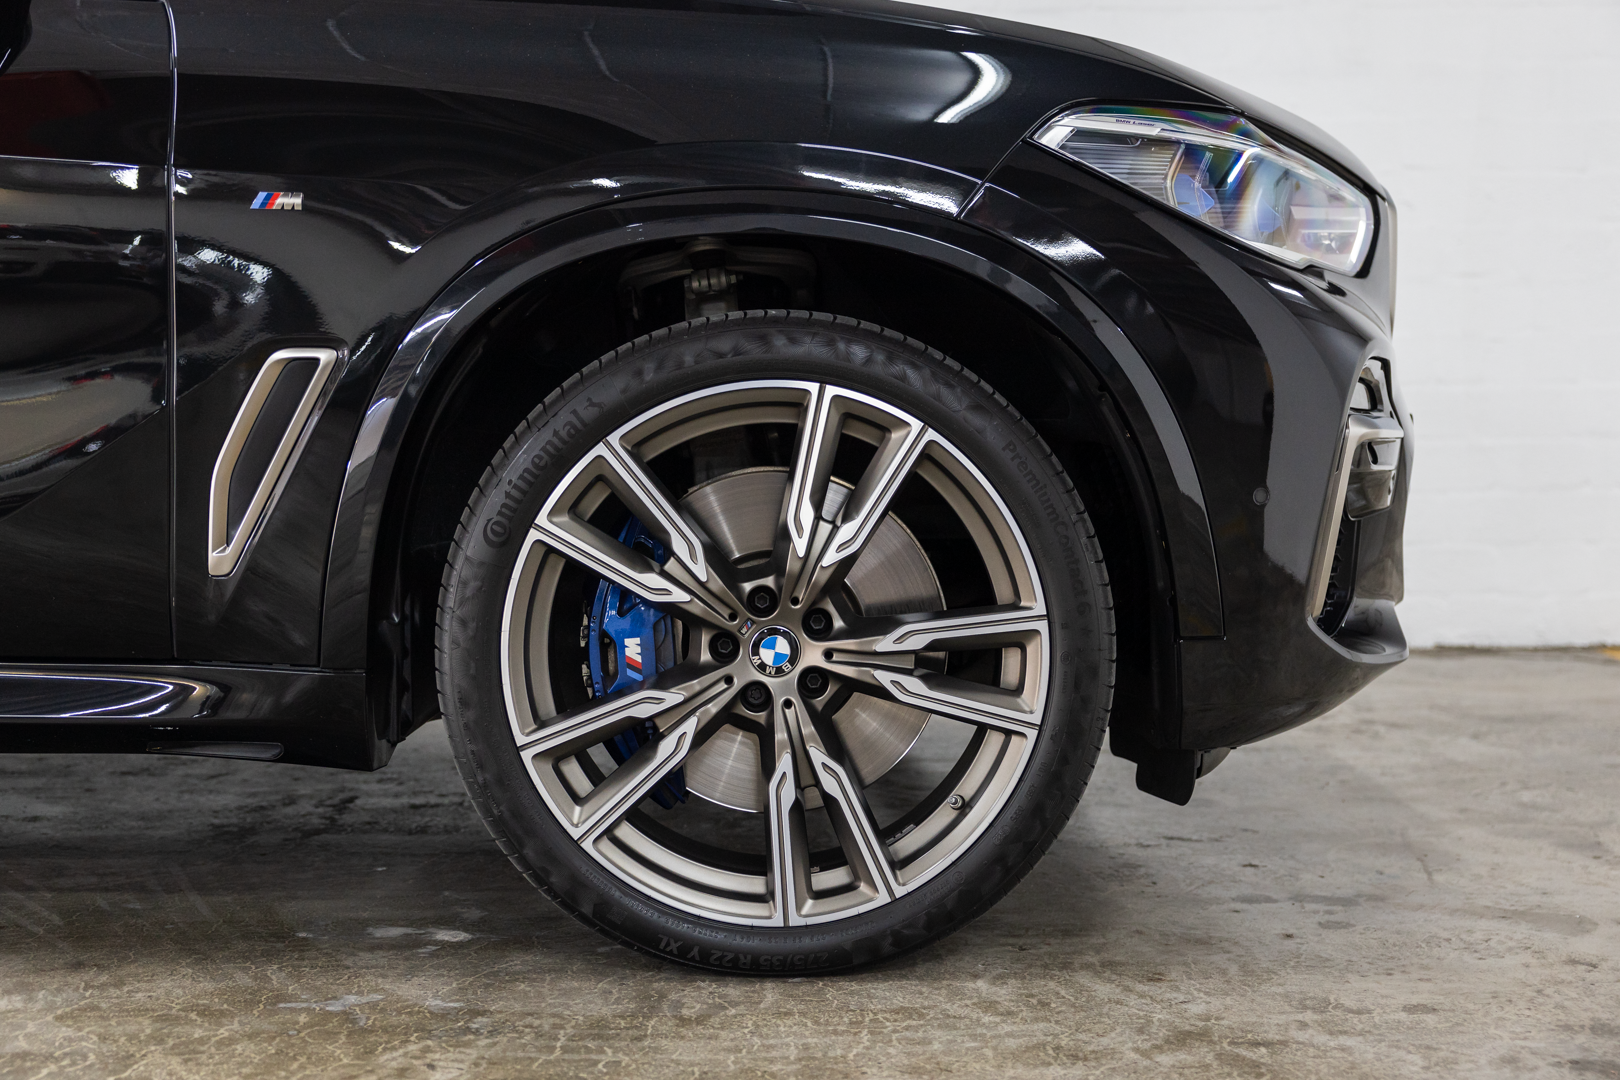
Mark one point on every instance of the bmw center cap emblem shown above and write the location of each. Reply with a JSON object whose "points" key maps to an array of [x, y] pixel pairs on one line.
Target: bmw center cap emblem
{"points": [[775, 650]]}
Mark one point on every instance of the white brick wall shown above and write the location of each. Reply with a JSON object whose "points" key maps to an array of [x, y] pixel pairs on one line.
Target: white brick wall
{"points": [[1494, 126]]}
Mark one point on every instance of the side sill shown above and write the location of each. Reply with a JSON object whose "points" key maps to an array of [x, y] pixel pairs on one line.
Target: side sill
{"points": [[290, 715]]}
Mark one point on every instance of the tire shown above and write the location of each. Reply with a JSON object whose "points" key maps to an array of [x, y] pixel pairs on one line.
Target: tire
{"points": [[860, 766]]}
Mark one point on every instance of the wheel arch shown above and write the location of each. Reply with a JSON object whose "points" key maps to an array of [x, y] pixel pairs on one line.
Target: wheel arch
{"points": [[406, 481]]}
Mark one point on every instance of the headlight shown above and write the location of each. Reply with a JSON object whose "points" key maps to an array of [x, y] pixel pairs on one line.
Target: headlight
{"points": [[1227, 173]]}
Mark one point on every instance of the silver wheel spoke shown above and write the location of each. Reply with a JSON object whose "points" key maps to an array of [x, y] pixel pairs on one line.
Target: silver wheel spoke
{"points": [[972, 703], [587, 727], [869, 502], [852, 819], [885, 653], [798, 738], [682, 712], [691, 580], [821, 545], [812, 468], [790, 854], [631, 782], [970, 628]]}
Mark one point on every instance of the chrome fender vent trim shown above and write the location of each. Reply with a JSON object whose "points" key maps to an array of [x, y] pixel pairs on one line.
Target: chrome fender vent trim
{"points": [[1363, 479], [260, 448]]}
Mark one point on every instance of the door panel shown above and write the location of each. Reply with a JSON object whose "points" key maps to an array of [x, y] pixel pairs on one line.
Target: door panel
{"points": [[84, 334]]}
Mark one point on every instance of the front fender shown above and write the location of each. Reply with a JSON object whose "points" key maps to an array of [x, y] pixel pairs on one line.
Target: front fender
{"points": [[433, 340]]}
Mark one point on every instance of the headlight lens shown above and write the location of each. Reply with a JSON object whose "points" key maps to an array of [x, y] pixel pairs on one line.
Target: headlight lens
{"points": [[1227, 173]]}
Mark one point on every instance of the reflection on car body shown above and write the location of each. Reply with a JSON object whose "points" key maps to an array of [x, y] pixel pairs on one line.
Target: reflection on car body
{"points": [[1001, 385]]}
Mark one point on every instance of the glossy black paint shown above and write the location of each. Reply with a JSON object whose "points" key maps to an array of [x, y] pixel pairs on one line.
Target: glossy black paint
{"points": [[241, 704], [482, 94], [93, 83], [453, 155], [102, 695], [1258, 361], [351, 271], [84, 354], [1185, 520], [247, 284], [409, 143]]}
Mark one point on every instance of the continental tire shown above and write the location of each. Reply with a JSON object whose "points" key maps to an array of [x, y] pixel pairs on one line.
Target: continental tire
{"points": [[775, 643]]}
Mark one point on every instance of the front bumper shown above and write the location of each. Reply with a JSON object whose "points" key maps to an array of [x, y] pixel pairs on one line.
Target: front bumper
{"points": [[1261, 364]]}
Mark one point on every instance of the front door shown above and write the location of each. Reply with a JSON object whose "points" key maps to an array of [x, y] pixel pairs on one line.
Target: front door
{"points": [[86, 97]]}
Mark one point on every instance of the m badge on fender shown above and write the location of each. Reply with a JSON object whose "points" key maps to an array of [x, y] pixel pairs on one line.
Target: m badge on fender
{"points": [[279, 200]]}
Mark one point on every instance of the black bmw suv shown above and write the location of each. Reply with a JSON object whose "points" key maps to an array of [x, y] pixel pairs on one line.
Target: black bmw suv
{"points": [[779, 439]]}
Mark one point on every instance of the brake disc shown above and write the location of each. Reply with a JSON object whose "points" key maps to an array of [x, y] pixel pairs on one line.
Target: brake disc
{"points": [[739, 511]]}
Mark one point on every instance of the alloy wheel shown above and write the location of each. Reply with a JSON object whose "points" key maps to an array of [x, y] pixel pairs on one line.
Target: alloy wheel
{"points": [[783, 717]]}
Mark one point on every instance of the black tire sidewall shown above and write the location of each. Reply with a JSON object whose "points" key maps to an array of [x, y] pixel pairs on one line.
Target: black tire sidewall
{"points": [[706, 353]]}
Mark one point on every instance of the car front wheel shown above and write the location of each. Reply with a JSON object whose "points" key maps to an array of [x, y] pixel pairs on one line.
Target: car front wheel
{"points": [[775, 642]]}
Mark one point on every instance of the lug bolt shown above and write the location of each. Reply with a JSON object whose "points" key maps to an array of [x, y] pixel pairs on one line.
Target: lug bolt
{"points": [[813, 683], [723, 648], [956, 802], [762, 600], [817, 624], [756, 697]]}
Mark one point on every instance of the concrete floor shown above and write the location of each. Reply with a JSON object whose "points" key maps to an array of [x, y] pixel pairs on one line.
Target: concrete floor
{"points": [[1426, 882]]}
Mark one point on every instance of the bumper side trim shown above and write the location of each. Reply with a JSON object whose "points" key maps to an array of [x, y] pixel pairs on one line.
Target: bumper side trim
{"points": [[1359, 430]]}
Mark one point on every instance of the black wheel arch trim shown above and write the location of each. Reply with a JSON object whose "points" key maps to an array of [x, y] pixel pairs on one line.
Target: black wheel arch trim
{"points": [[1132, 390]]}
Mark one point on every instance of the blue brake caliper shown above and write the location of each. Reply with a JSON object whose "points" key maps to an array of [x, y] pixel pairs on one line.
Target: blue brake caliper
{"points": [[643, 644]]}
